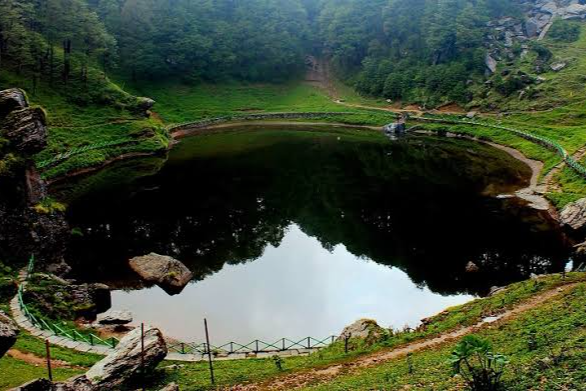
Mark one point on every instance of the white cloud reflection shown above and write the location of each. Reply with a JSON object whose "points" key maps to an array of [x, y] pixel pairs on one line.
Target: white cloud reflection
{"points": [[295, 290]]}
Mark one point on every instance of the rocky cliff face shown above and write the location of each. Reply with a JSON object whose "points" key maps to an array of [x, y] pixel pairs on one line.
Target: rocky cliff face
{"points": [[23, 230], [533, 24]]}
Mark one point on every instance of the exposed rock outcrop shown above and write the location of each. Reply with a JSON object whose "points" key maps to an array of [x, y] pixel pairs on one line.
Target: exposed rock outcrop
{"points": [[490, 63], [24, 230], [366, 329], [10, 100], [8, 333], [125, 362], [26, 130], [574, 214], [166, 272]]}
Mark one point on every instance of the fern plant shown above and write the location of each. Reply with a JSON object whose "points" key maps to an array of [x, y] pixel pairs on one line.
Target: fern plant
{"points": [[474, 360]]}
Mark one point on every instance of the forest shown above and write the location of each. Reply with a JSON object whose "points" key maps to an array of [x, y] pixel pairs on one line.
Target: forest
{"points": [[399, 49]]}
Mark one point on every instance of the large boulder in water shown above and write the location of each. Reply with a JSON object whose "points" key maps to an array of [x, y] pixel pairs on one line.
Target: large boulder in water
{"points": [[166, 272], [574, 214], [8, 333], [125, 362]]}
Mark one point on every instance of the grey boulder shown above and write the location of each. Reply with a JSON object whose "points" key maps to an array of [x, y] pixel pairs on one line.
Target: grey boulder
{"points": [[125, 362], [114, 317], [8, 333], [364, 329], [574, 214]]}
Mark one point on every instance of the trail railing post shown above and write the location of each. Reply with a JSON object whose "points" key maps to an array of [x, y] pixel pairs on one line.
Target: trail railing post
{"points": [[142, 374], [48, 350], [346, 339], [209, 351]]}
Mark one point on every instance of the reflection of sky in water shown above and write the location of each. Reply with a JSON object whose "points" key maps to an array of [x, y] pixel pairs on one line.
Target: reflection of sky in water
{"points": [[296, 290]]}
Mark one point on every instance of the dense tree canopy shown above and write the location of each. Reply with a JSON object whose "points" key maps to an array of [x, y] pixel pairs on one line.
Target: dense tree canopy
{"points": [[409, 49], [418, 50]]}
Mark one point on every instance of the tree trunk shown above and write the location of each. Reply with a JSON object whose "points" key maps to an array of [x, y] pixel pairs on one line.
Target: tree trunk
{"points": [[66, 60]]}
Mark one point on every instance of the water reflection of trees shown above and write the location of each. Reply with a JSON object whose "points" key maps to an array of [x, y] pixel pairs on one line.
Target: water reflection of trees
{"points": [[413, 205]]}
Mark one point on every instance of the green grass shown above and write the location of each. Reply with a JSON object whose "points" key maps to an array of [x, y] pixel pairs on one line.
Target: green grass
{"points": [[16, 372], [30, 344], [178, 103]]}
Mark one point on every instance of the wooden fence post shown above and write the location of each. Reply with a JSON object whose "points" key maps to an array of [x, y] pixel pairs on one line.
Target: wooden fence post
{"points": [[48, 350], [205, 322]]}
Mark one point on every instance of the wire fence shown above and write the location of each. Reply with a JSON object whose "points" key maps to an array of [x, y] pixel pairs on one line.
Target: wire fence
{"points": [[254, 347], [59, 329]]}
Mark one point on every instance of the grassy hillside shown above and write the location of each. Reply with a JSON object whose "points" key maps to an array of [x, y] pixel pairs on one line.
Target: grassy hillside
{"points": [[178, 103], [79, 117]]}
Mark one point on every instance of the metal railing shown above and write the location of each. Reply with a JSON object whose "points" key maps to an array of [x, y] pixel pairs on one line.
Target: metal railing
{"points": [[59, 329], [256, 116], [79, 150], [254, 347]]}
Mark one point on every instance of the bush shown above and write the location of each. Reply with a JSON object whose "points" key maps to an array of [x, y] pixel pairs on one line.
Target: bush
{"points": [[564, 31], [474, 360]]}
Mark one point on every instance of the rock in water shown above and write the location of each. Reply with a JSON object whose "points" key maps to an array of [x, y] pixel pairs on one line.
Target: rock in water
{"points": [[8, 333], [166, 272], [471, 267], [115, 317], [125, 361], [364, 328], [574, 214]]}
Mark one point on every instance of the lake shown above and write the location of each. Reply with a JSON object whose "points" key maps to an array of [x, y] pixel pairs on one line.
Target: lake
{"points": [[298, 232]]}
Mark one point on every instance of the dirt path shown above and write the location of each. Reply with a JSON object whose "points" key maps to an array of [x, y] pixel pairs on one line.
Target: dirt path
{"points": [[37, 361], [328, 373]]}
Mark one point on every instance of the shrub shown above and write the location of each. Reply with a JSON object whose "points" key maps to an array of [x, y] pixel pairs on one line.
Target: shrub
{"points": [[49, 206], [474, 360], [564, 31]]}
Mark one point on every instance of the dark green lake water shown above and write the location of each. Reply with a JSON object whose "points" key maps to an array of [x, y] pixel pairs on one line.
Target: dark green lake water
{"points": [[295, 233]]}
